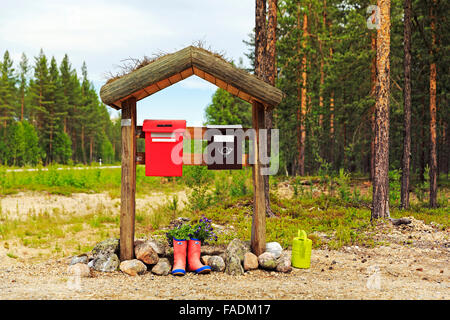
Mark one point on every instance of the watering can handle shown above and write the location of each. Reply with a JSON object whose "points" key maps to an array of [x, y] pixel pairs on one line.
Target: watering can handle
{"points": [[302, 234]]}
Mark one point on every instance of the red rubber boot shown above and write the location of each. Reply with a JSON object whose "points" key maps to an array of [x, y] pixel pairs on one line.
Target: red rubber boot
{"points": [[179, 257], [194, 264]]}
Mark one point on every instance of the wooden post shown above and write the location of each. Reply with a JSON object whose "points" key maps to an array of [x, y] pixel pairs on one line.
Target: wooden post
{"points": [[127, 196], [258, 239]]}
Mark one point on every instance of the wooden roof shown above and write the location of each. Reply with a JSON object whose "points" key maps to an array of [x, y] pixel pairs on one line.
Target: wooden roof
{"points": [[180, 65]]}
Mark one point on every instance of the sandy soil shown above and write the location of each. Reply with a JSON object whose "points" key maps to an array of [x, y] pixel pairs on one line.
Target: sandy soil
{"points": [[23, 204]]}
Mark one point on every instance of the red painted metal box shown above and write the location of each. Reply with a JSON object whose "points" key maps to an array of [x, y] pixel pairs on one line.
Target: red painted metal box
{"points": [[164, 147]]}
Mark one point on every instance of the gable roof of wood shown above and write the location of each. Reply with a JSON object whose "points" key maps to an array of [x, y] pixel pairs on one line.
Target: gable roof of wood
{"points": [[180, 65]]}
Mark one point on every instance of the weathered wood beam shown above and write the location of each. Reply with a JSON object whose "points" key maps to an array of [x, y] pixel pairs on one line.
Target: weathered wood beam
{"points": [[172, 68], [258, 237], [236, 77], [128, 185], [156, 71]]}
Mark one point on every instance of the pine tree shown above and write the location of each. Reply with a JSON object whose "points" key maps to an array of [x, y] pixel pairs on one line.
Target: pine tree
{"points": [[380, 198], [7, 91], [23, 86]]}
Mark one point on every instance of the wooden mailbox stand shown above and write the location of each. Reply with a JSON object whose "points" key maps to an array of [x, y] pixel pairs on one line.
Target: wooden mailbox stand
{"points": [[124, 92]]}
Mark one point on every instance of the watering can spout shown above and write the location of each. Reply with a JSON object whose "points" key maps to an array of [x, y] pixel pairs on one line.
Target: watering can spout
{"points": [[301, 250]]}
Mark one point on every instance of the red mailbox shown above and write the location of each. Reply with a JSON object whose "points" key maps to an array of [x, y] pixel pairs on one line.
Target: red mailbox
{"points": [[164, 147]]}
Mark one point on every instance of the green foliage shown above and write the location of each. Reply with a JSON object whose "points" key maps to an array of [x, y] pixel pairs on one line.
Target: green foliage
{"points": [[394, 186], [181, 232], [52, 117]]}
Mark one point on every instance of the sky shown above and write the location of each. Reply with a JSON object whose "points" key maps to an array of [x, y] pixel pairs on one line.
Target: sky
{"points": [[105, 32]]}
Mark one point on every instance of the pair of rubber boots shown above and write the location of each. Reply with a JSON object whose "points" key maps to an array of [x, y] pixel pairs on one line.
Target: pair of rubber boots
{"points": [[191, 248]]}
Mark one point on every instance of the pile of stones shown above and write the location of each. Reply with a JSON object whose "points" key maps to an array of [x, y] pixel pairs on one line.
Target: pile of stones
{"points": [[154, 255]]}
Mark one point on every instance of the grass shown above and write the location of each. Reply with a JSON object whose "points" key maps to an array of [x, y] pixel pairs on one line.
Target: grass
{"points": [[334, 211]]}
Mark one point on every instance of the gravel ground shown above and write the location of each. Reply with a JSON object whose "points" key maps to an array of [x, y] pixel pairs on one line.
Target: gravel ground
{"points": [[394, 272]]}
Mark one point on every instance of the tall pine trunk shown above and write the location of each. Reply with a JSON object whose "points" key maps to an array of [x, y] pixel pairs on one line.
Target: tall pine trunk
{"points": [[380, 200], [331, 146], [270, 70], [303, 96], [406, 161], [433, 158], [373, 80]]}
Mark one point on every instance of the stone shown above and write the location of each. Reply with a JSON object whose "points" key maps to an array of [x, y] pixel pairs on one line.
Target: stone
{"points": [[267, 261], [162, 268], [216, 263], [106, 248], [158, 245], [144, 251], [204, 259], [82, 258], [79, 270], [274, 248], [133, 267], [250, 261], [237, 248], [284, 262], [212, 250], [106, 263], [233, 265]]}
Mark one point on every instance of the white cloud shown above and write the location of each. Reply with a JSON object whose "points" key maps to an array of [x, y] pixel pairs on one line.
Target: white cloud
{"points": [[92, 27], [104, 32]]}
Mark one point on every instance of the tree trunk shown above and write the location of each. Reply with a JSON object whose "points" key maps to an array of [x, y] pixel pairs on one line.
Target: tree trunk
{"points": [[331, 146], [406, 161], [433, 158], [83, 151], [373, 77], [91, 148], [322, 73], [303, 98], [260, 39], [271, 73], [380, 202]]}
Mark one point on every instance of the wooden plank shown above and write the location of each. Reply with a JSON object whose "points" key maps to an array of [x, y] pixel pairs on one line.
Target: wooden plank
{"points": [[141, 94], [245, 96], [164, 83], [242, 80], [155, 71], [191, 159], [187, 73], [152, 89], [234, 91], [183, 62], [191, 133], [128, 185], [175, 78], [221, 84], [210, 78], [258, 237], [199, 73]]}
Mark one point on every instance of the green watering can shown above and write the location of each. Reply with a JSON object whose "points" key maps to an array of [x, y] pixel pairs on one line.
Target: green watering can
{"points": [[301, 251]]}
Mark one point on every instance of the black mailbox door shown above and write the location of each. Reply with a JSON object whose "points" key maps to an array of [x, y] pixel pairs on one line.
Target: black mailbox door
{"points": [[225, 147]]}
